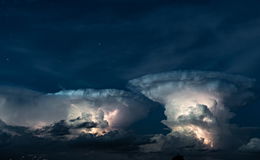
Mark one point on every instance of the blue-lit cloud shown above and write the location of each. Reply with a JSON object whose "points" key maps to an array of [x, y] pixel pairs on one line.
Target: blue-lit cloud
{"points": [[252, 146]]}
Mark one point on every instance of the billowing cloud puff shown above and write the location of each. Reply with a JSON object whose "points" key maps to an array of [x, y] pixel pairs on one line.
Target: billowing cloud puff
{"points": [[252, 146], [197, 104], [71, 112], [23, 107]]}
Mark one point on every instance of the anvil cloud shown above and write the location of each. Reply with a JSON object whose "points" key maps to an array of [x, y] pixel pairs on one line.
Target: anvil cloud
{"points": [[197, 104]]}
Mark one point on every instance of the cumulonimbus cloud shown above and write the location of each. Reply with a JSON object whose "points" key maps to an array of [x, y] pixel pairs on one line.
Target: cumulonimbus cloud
{"points": [[197, 104], [71, 112], [197, 108]]}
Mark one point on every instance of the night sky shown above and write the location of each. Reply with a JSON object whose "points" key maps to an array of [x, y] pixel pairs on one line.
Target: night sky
{"points": [[129, 79]]}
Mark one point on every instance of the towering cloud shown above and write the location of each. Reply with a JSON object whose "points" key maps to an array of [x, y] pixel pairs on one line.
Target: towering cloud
{"points": [[197, 104], [72, 112]]}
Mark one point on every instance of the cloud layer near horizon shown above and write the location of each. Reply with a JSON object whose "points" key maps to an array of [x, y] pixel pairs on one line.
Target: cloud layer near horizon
{"points": [[252, 146]]}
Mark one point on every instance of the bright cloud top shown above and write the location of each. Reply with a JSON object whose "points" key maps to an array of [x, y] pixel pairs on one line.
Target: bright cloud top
{"points": [[196, 103]]}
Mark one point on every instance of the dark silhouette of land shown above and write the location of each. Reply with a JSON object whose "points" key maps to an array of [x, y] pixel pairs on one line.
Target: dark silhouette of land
{"points": [[178, 157]]}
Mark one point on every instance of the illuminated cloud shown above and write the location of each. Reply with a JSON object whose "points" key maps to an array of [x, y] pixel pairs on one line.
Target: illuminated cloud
{"points": [[24, 107], [110, 109], [71, 112], [197, 104]]}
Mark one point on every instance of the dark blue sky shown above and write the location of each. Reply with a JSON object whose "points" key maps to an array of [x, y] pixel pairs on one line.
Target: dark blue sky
{"points": [[50, 45]]}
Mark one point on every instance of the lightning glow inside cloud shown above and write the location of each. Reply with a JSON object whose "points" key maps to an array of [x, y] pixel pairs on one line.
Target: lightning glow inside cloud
{"points": [[197, 104], [83, 111], [110, 109]]}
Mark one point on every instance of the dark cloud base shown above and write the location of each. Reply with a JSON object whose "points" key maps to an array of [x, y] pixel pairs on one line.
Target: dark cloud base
{"points": [[90, 155], [114, 145]]}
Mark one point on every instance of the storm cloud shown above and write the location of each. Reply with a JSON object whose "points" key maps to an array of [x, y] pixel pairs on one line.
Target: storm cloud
{"points": [[72, 112], [197, 104]]}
